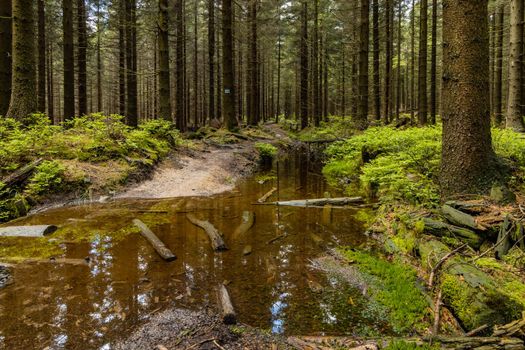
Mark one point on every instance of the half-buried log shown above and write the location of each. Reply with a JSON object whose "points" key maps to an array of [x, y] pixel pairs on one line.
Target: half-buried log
{"points": [[320, 202], [442, 229], [248, 219], [22, 174], [228, 313], [217, 242], [152, 238], [267, 195], [27, 231], [460, 218]]}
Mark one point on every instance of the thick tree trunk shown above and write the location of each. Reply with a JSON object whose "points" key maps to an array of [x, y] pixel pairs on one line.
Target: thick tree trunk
{"points": [[468, 160], [254, 89], [422, 92], [23, 93], [164, 62], [69, 60], [514, 117], [498, 88], [228, 79], [377, 77], [41, 80], [5, 55], [362, 112], [304, 65], [82, 57]]}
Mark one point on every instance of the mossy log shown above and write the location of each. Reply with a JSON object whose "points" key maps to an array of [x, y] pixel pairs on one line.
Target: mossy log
{"points": [[156, 243], [474, 297], [216, 240], [27, 231], [320, 202], [228, 312], [22, 174], [248, 219], [442, 229], [460, 218], [267, 195]]}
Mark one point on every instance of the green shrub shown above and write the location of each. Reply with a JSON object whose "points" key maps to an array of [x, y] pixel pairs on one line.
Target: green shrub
{"points": [[45, 179], [266, 150]]}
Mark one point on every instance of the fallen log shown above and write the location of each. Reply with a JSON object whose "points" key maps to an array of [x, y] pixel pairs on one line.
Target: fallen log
{"points": [[460, 218], [22, 174], [228, 313], [157, 244], [267, 195], [216, 240], [442, 229], [27, 231], [58, 261], [248, 219], [319, 202]]}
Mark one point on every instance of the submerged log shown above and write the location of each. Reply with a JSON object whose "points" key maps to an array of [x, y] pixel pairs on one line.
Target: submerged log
{"points": [[248, 219], [460, 218], [58, 261], [320, 202], [442, 229], [228, 313], [157, 244], [22, 174], [27, 231], [216, 240], [267, 195]]}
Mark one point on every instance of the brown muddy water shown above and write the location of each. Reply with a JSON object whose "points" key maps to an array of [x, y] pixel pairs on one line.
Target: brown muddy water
{"points": [[90, 306]]}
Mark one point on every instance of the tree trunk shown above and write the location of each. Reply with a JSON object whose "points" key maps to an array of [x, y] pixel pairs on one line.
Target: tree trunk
{"points": [[41, 79], [315, 67], [498, 93], [211, 59], [196, 121], [254, 89], [304, 65], [422, 92], [69, 60], [180, 88], [377, 77], [413, 61], [82, 58], [131, 63], [228, 94], [164, 62], [398, 73], [388, 61], [99, 60], [122, 57], [468, 160], [362, 112], [514, 117], [433, 67], [5, 54]]}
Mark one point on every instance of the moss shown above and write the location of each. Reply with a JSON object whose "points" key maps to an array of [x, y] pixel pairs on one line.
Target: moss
{"points": [[15, 248], [395, 286], [266, 150], [403, 345]]}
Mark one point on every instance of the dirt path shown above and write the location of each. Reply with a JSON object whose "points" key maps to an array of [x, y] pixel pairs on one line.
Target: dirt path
{"points": [[197, 173]]}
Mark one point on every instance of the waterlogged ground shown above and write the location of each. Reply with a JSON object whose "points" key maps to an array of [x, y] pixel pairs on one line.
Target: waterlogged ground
{"points": [[121, 281]]}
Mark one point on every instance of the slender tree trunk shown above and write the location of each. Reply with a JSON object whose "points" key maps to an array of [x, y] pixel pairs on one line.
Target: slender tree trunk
{"points": [[5, 55], [164, 61], [211, 59], [228, 95], [99, 60], [254, 90], [377, 76], [122, 57], [468, 164], [131, 63], [413, 62], [50, 83], [69, 60], [388, 61], [362, 112], [278, 104], [315, 67], [82, 57], [304, 65], [498, 93], [398, 73], [180, 86], [422, 92], [433, 67], [514, 117], [41, 79], [195, 65]]}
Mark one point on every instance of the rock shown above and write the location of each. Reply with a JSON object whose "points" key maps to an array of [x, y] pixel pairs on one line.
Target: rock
{"points": [[502, 194]]}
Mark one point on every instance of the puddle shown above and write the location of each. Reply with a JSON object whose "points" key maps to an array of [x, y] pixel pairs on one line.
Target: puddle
{"points": [[79, 306]]}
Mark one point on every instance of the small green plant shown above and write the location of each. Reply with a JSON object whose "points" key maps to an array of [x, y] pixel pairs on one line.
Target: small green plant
{"points": [[266, 150], [403, 345], [46, 178]]}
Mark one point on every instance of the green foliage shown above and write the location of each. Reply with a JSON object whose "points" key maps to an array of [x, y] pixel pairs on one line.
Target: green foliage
{"points": [[333, 129], [47, 177], [266, 150], [404, 164], [395, 286], [402, 345]]}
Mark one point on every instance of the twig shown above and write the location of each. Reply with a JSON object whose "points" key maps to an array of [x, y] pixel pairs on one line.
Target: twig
{"points": [[497, 243], [217, 345], [477, 330], [276, 238], [441, 262], [437, 314]]}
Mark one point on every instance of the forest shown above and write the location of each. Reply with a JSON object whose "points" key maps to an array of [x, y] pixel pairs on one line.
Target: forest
{"points": [[262, 174]]}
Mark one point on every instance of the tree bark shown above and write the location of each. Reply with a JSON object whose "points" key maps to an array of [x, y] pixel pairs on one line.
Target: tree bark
{"points": [[254, 89], [99, 60], [422, 78], [388, 62], [514, 116], [211, 60], [5, 54], [23, 91], [316, 101], [131, 63], [377, 77], [468, 159], [228, 79], [69, 60], [82, 58], [122, 57], [41, 79], [164, 62], [498, 93], [433, 66], [362, 112], [304, 65]]}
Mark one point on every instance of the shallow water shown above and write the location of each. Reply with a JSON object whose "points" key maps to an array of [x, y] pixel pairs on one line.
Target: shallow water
{"points": [[65, 306]]}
